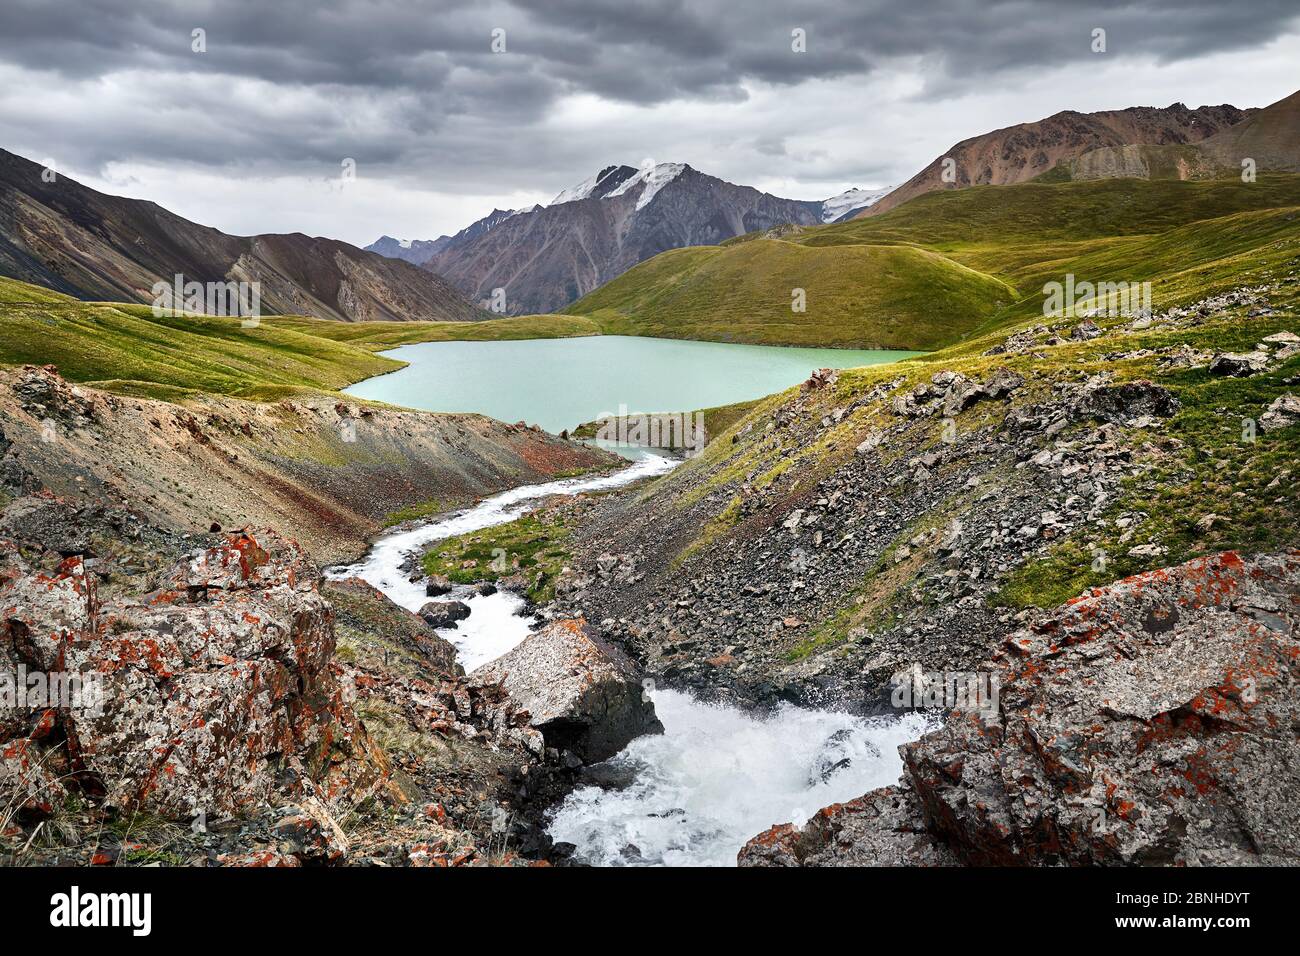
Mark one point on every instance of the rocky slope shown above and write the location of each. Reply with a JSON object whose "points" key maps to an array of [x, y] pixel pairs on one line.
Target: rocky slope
{"points": [[878, 519], [1019, 153], [1269, 138], [332, 470], [72, 239], [235, 710], [1150, 722], [552, 255]]}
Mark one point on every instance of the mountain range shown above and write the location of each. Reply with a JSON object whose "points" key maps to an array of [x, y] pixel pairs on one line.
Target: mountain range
{"points": [[548, 256], [1019, 153], [60, 234]]}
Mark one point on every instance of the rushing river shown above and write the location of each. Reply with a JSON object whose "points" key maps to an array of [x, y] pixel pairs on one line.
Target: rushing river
{"points": [[494, 625], [693, 795], [559, 383], [717, 777]]}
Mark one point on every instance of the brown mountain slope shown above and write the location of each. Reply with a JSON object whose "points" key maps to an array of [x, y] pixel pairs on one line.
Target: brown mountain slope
{"points": [[1270, 136], [550, 256], [1021, 152], [76, 240], [328, 470]]}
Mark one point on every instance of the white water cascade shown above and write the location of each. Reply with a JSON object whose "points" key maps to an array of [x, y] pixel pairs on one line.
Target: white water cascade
{"points": [[717, 776], [494, 625]]}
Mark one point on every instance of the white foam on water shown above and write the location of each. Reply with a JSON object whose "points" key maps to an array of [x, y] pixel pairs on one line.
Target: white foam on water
{"points": [[493, 626], [718, 776]]}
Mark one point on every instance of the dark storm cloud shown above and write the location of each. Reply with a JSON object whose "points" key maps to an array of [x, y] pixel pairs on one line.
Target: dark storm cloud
{"points": [[643, 51], [405, 86]]}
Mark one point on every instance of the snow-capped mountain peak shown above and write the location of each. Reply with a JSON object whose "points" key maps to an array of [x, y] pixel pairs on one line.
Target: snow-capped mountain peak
{"points": [[851, 200], [654, 178], [597, 185]]}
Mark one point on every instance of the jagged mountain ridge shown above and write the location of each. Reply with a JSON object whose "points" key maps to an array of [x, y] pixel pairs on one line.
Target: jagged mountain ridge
{"points": [[1021, 152], [549, 256], [1268, 140], [76, 240], [419, 251]]}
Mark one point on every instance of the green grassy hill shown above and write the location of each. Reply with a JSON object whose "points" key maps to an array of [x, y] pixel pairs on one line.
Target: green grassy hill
{"points": [[127, 349], [947, 265], [860, 295]]}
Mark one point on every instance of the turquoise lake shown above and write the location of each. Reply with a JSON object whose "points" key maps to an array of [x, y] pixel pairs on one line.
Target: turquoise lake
{"points": [[559, 383]]}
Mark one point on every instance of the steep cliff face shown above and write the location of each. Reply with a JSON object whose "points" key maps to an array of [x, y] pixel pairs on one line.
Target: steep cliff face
{"points": [[1018, 153], [550, 256], [72, 239]]}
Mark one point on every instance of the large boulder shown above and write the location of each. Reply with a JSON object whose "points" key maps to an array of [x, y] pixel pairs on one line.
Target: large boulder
{"points": [[883, 828], [1148, 722], [443, 614], [1239, 364], [437, 585], [583, 694]]}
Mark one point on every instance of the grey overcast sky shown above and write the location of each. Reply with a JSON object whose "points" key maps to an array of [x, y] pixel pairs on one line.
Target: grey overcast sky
{"points": [[251, 134]]}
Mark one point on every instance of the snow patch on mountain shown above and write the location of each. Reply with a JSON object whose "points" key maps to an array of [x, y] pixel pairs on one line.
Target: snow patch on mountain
{"points": [[581, 191], [653, 179], [849, 201], [597, 185]]}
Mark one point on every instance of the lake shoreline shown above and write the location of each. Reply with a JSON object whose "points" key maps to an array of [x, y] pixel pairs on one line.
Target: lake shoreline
{"points": [[560, 384]]}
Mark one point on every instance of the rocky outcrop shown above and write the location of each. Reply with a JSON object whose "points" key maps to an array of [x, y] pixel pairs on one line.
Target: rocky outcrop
{"points": [[1148, 722], [1282, 413], [950, 393], [882, 828], [212, 694], [583, 694], [1239, 364]]}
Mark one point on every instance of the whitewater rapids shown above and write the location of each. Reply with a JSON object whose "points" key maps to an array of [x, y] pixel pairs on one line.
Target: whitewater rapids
{"points": [[494, 625], [716, 777]]}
